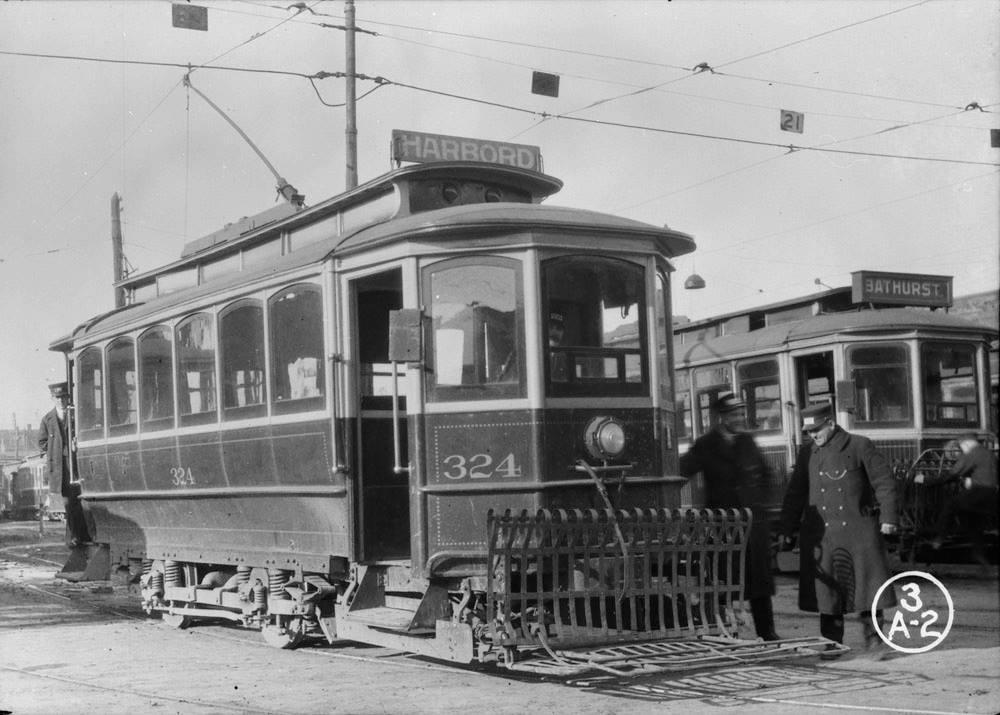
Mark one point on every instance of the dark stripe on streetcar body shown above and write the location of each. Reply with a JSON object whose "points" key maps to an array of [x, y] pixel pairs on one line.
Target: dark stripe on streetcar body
{"points": [[494, 486], [223, 492]]}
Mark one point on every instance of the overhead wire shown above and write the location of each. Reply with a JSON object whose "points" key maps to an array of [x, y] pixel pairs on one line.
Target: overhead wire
{"points": [[677, 132]]}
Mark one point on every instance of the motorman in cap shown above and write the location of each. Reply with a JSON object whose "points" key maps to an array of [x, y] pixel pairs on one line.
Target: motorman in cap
{"points": [[841, 500], [53, 441], [735, 477]]}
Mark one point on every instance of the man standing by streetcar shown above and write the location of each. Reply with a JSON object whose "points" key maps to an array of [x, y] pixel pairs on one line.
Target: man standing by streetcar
{"points": [[841, 500], [53, 441], [735, 477]]}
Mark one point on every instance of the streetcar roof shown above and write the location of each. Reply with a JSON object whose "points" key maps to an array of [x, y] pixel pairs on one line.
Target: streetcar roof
{"points": [[479, 220], [860, 322], [456, 223]]}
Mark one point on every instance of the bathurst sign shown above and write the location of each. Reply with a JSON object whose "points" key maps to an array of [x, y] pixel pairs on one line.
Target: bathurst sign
{"points": [[901, 289]]}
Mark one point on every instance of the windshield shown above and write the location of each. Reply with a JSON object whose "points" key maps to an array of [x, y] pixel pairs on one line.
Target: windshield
{"points": [[595, 325]]}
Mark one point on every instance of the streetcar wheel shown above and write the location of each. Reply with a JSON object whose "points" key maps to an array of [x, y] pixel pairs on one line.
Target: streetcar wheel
{"points": [[176, 620], [284, 635]]}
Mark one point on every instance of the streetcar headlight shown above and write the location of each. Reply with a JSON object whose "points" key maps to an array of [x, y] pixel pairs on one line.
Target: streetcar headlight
{"points": [[605, 438]]}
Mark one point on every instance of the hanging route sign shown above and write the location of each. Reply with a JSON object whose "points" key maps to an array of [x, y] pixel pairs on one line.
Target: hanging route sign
{"points": [[420, 147]]}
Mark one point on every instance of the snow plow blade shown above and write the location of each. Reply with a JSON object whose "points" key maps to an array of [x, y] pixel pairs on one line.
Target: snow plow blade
{"points": [[571, 578]]}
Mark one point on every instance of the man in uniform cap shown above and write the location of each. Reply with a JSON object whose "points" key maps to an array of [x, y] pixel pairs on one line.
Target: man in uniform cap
{"points": [[53, 441], [735, 477], [841, 499]]}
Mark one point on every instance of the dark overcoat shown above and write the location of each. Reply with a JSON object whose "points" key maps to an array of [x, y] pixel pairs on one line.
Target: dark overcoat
{"points": [[735, 478], [838, 496], [52, 441]]}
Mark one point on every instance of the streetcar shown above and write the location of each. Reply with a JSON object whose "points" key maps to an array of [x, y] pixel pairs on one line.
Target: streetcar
{"points": [[354, 419], [28, 492], [910, 378]]}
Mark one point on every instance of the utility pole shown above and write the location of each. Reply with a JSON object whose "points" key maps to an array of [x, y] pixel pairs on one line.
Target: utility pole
{"points": [[351, 129], [116, 248]]}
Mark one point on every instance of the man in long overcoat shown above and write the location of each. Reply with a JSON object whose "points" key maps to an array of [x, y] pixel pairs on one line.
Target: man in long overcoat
{"points": [[841, 500], [735, 478], [53, 441]]}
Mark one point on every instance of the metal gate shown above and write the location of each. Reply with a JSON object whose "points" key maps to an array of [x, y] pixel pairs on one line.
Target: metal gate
{"points": [[566, 578]]}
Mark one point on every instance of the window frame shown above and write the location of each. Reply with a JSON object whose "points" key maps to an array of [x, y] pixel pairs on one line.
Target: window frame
{"points": [[154, 424], [120, 429], [935, 421], [205, 416], [288, 405], [99, 410], [905, 369], [482, 390], [255, 409], [750, 399], [598, 387]]}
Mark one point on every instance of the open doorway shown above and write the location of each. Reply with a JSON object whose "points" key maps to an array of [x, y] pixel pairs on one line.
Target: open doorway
{"points": [[814, 379], [383, 495]]}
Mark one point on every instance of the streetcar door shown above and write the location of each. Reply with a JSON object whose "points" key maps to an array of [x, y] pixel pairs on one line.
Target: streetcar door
{"points": [[814, 379], [382, 499]]}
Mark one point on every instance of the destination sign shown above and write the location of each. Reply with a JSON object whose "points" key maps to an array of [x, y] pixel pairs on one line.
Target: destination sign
{"points": [[901, 289], [423, 148]]}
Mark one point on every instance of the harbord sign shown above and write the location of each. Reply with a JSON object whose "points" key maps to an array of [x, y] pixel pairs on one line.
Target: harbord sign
{"points": [[901, 289], [420, 147]]}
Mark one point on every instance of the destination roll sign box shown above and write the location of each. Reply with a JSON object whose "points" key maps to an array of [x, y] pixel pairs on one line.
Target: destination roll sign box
{"points": [[901, 289], [422, 148]]}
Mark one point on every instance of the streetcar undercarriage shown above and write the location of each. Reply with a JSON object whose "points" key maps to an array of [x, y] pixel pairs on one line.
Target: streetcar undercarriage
{"points": [[559, 581]]}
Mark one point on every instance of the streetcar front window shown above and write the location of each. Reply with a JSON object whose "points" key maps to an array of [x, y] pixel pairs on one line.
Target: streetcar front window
{"points": [[476, 315], [950, 386], [595, 311], [882, 384]]}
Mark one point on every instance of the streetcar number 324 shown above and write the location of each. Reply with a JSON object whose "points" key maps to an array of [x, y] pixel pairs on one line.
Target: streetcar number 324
{"points": [[480, 466], [182, 476]]}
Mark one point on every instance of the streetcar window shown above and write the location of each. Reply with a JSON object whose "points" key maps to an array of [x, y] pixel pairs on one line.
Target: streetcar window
{"points": [[683, 400], [595, 311], [296, 320], [90, 394], [241, 335], [708, 383], [196, 398], [156, 392], [476, 315], [882, 384], [951, 391], [758, 383], [121, 387]]}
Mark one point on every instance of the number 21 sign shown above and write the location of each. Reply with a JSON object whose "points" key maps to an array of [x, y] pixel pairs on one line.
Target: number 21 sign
{"points": [[792, 121]]}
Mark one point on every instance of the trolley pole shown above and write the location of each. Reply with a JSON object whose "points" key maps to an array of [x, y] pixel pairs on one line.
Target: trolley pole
{"points": [[351, 130], [116, 248]]}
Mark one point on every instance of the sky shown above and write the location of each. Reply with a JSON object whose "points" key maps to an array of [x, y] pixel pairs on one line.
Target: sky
{"points": [[893, 169]]}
